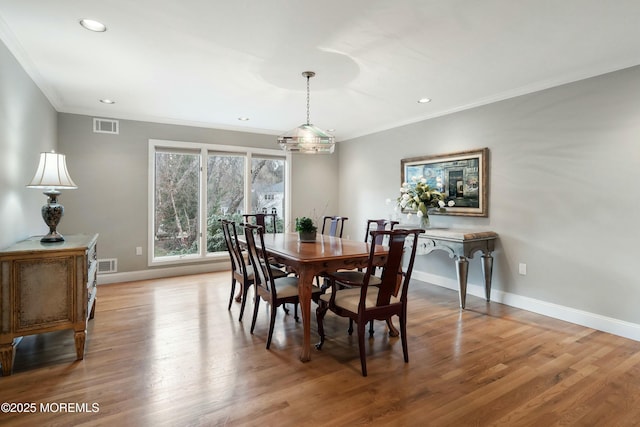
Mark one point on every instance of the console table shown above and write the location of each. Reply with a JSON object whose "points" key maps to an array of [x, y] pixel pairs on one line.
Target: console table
{"points": [[461, 245], [46, 287]]}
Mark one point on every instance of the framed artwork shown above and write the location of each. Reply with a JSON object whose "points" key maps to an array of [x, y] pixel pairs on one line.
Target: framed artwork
{"points": [[462, 178]]}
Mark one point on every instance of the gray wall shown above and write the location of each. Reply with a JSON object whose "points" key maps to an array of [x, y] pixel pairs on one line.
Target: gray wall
{"points": [[27, 127], [112, 177], [564, 194]]}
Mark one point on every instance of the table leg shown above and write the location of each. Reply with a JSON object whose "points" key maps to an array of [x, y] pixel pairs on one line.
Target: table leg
{"points": [[487, 269], [305, 281], [6, 358], [462, 269]]}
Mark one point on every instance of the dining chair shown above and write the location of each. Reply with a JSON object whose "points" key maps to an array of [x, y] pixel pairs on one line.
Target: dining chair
{"points": [[380, 302], [274, 290], [241, 271], [336, 225], [354, 278], [334, 229], [261, 219]]}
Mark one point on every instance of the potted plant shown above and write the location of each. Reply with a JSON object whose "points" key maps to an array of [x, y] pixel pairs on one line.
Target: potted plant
{"points": [[306, 229]]}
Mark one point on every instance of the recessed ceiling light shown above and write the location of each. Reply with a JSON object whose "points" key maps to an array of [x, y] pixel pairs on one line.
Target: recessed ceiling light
{"points": [[424, 100], [92, 25], [331, 130], [243, 119], [107, 101]]}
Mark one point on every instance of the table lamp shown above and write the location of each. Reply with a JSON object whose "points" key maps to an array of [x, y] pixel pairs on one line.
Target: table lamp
{"points": [[52, 175]]}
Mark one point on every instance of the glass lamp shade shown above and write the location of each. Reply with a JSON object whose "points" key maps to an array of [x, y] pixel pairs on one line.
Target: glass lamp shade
{"points": [[51, 175], [308, 139]]}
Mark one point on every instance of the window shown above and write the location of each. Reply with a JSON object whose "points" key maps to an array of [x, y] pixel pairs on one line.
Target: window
{"points": [[176, 204], [192, 186], [267, 187]]}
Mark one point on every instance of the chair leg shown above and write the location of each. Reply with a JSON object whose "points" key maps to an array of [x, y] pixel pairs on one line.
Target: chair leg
{"points": [[244, 303], [363, 353], [295, 311], [233, 290], [321, 310], [393, 332], [350, 330], [370, 328], [255, 312], [272, 323], [403, 337]]}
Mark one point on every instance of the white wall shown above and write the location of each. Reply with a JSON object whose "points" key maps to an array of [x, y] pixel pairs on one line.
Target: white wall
{"points": [[27, 127], [564, 194]]}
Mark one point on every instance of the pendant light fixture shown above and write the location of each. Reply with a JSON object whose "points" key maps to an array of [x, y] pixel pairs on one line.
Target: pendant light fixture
{"points": [[307, 138]]}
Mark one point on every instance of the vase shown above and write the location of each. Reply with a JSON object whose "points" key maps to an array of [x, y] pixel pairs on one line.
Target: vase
{"points": [[306, 236]]}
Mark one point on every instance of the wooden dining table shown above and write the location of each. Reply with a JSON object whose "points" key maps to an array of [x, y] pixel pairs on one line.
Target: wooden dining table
{"points": [[309, 259]]}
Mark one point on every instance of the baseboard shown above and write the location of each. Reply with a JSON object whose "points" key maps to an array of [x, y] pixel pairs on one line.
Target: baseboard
{"points": [[568, 314], [158, 273]]}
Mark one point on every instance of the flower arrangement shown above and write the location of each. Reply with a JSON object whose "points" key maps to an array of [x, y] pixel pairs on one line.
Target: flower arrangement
{"points": [[420, 197]]}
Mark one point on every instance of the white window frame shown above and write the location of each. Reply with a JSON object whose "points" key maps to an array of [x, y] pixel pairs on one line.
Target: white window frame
{"points": [[205, 149]]}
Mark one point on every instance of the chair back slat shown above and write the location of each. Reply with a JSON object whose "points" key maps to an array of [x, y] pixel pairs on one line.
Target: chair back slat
{"points": [[233, 246], [254, 235]]}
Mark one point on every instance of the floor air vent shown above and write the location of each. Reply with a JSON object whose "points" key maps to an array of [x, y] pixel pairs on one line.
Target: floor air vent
{"points": [[107, 265], [106, 126]]}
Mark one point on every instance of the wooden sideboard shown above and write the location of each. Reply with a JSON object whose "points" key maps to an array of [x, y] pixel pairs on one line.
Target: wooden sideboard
{"points": [[46, 287]]}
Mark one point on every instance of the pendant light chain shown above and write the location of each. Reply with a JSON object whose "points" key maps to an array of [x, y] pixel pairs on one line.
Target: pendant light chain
{"points": [[308, 77]]}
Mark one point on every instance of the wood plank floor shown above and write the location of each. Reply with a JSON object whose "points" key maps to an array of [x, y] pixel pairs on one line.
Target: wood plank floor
{"points": [[168, 353]]}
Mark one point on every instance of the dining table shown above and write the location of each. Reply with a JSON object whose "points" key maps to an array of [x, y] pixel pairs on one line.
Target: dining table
{"points": [[326, 254]]}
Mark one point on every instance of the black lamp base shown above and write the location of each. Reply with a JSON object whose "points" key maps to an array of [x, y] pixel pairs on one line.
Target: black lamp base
{"points": [[52, 238], [52, 213]]}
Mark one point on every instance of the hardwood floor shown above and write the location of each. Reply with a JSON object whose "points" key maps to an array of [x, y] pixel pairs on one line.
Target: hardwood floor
{"points": [[167, 352]]}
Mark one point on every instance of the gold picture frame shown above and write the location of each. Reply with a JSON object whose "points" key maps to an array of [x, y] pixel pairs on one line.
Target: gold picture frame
{"points": [[462, 177]]}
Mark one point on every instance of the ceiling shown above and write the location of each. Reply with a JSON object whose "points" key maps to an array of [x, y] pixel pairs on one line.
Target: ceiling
{"points": [[210, 62]]}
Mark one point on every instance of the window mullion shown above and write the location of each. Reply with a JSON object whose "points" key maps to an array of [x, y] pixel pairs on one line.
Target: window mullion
{"points": [[247, 184], [202, 220]]}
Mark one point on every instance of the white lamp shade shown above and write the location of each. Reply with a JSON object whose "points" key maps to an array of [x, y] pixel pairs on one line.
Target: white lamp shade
{"points": [[52, 173]]}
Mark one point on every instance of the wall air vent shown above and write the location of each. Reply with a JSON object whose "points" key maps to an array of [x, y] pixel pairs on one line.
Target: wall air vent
{"points": [[107, 265], [106, 126]]}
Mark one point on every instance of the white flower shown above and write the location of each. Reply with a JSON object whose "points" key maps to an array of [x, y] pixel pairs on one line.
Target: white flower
{"points": [[409, 216], [406, 196], [441, 203], [451, 203], [417, 199], [403, 204], [405, 184], [419, 213], [423, 180], [403, 190]]}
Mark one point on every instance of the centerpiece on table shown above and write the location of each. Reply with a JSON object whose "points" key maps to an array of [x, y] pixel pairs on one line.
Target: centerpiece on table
{"points": [[418, 196], [306, 229]]}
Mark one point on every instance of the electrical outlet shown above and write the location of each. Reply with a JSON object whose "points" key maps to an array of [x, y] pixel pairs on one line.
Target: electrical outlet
{"points": [[139, 250], [522, 269]]}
